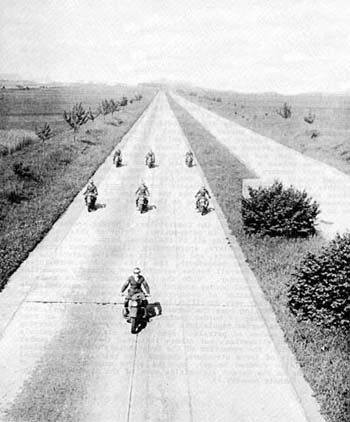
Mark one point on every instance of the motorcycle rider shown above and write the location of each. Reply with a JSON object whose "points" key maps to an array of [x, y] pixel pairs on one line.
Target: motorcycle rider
{"points": [[142, 190], [117, 155], [90, 189], [136, 284], [189, 156], [202, 193], [151, 156]]}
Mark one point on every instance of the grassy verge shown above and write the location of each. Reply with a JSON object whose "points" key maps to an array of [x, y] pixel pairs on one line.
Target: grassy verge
{"points": [[40, 180], [326, 139], [324, 356]]}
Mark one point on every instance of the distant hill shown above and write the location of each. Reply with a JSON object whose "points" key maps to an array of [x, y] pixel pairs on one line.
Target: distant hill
{"points": [[164, 83]]}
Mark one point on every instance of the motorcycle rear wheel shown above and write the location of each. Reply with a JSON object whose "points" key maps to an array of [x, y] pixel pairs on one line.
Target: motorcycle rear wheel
{"points": [[133, 327]]}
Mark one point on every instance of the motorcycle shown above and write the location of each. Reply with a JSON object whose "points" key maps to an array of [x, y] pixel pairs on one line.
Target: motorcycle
{"points": [[203, 205], [150, 161], [189, 160], [142, 204], [90, 200], [137, 314], [118, 161]]}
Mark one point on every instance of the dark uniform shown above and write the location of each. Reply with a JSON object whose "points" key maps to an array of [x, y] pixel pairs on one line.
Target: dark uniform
{"points": [[203, 192], [151, 155], [138, 285], [117, 154], [91, 189], [141, 191]]}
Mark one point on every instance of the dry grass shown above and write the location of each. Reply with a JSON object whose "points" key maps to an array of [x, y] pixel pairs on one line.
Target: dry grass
{"points": [[323, 356], [15, 139], [258, 112]]}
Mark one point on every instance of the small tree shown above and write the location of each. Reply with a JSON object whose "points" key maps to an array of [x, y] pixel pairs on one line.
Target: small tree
{"points": [[310, 118], [320, 288], [113, 106], [275, 211], [44, 133], [124, 102], [90, 115], [285, 111], [76, 117], [105, 108]]}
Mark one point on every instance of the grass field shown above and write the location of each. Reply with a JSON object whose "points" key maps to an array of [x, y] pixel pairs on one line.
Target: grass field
{"points": [[39, 180], [323, 356], [331, 128], [26, 109]]}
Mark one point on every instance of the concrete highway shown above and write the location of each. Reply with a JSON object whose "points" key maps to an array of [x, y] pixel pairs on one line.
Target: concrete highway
{"points": [[66, 353]]}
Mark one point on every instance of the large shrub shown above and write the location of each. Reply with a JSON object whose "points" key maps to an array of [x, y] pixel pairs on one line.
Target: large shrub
{"points": [[276, 211], [320, 289]]}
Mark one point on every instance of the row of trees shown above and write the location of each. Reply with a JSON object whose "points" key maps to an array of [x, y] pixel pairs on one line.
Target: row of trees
{"points": [[78, 115], [111, 106]]}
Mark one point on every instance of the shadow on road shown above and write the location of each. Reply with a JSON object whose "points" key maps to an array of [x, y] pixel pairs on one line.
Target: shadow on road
{"points": [[99, 206], [209, 210], [151, 207], [153, 310]]}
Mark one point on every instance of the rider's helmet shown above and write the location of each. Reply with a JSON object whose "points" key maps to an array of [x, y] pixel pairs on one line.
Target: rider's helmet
{"points": [[137, 270]]}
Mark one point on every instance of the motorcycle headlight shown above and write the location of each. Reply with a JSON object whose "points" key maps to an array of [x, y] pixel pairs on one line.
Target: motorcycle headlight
{"points": [[133, 303]]}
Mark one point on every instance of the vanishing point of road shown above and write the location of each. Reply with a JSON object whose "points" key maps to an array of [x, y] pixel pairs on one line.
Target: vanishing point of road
{"points": [[66, 353]]}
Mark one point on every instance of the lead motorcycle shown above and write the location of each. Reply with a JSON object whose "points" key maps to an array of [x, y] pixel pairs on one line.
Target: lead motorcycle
{"points": [[137, 315]]}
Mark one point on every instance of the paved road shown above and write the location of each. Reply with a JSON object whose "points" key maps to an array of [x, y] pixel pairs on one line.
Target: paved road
{"points": [[66, 354], [270, 160]]}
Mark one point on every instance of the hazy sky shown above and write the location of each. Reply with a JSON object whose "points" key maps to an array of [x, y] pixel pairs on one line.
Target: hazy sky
{"points": [[246, 45]]}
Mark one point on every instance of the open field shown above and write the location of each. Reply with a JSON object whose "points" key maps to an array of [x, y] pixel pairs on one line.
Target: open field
{"points": [[323, 356], [40, 180], [26, 109], [331, 128]]}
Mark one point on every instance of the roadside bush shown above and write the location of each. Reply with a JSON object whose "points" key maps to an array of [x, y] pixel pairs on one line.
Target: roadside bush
{"points": [[310, 118], [285, 111], [15, 193], [123, 102], [320, 289], [23, 172], [275, 211], [314, 134]]}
